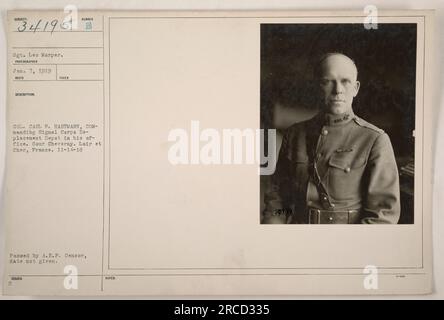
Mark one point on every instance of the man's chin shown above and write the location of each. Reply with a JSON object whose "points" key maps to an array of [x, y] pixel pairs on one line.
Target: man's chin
{"points": [[337, 108]]}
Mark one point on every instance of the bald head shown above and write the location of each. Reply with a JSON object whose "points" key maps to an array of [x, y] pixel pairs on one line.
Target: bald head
{"points": [[335, 58], [337, 75]]}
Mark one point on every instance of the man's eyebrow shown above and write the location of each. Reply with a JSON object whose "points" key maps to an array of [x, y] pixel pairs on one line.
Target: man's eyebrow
{"points": [[330, 78]]}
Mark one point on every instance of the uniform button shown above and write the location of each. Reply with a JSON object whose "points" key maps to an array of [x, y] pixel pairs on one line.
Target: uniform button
{"points": [[324, 198], [347, 169], [325, 132], [332, 205], [330, 218]]}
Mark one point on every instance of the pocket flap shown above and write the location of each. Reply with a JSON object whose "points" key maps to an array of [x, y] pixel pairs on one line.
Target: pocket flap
{"points": [[343, 162]]}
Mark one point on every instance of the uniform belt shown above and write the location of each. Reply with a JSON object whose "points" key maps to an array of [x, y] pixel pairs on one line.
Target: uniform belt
{"points": [[318, 216]]}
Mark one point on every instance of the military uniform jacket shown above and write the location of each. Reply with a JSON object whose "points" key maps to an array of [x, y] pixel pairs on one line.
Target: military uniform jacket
{"points": [[337, 164]]}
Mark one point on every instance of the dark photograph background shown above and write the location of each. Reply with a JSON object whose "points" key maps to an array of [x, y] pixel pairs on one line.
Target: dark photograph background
{"points": [[386, 62]]}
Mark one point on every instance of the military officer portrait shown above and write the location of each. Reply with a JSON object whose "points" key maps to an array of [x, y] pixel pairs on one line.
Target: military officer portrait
{"points": [[334, 166]]}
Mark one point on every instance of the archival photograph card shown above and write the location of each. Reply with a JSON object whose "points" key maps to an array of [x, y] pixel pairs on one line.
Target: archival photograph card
{"points": [[219, 153]]}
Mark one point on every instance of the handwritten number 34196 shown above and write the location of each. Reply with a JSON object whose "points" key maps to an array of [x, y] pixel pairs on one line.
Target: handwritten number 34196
{"points": [[42, 26]]}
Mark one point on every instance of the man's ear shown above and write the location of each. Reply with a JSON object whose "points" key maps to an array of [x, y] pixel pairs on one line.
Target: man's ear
{"points": [[357, 86]]}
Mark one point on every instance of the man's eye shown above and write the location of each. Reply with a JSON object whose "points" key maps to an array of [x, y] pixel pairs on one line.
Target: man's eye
{"points": [[345, 81]]}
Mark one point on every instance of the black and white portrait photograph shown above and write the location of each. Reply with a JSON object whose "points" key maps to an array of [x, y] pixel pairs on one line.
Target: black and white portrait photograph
{"points": [[341, 98]]}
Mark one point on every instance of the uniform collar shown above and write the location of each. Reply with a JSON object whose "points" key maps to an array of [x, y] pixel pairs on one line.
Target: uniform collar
{"points": [[337, 119]]}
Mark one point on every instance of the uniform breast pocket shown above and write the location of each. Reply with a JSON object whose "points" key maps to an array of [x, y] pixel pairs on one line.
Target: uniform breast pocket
{"points": [[345, 173]]}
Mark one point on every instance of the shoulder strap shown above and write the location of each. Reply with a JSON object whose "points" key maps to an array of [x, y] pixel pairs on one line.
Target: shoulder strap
{"points": [[361, 122]]}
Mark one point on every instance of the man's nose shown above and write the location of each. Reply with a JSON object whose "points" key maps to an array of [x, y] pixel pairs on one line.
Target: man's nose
{"points": [[338, 87]]}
